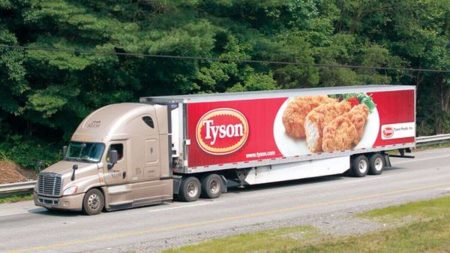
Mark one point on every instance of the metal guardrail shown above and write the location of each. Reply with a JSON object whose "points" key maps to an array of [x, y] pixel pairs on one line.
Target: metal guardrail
{"points": [[15, 188], [432, 139], [22, 187]]}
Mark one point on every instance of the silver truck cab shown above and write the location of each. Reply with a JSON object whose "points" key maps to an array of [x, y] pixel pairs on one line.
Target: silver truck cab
{"points": [[117, 158]]}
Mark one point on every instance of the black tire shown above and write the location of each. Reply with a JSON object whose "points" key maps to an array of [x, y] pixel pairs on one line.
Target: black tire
{"points": [[376, 164], [93, 202], [360, 166], [211, 186], [190, 189]]}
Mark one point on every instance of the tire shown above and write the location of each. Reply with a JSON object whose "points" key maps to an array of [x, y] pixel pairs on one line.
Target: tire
{"points": [[211, 186], [360, 166], [189, 189], [93, 202], [376, 164]]}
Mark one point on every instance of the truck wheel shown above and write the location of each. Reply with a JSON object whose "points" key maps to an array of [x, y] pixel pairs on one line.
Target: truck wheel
{"points": [[93, 202], [189, 189], [360, 166], [211, 186], [376, 164]]}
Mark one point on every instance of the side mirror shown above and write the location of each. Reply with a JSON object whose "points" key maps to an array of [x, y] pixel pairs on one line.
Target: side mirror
{"points": [[74, 168], [113, 157]]}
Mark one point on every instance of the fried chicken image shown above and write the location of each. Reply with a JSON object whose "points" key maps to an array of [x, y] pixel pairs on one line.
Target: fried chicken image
{"points": [[296, 111], [358, 115], [345, 131], [339, 134], [318, 119]]}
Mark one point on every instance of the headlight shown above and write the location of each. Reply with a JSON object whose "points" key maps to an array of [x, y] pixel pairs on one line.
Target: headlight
{"points": [[71, 190]]}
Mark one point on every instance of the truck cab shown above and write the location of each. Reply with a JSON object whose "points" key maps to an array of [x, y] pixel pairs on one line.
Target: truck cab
{"points": [[117, 158]]}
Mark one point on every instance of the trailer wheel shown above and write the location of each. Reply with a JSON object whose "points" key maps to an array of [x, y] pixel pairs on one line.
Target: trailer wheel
{"points": [[93, 202], [376, 164], [211, 186], [190, 189], [360, 166]]}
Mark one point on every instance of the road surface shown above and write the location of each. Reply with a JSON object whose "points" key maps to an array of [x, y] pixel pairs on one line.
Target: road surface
{"points": [[26, 228]]}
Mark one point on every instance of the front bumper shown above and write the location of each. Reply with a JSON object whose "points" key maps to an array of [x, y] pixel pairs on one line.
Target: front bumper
{"points": [[73, 202]]}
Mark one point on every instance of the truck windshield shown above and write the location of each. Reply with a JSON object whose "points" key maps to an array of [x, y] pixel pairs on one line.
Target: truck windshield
{"points": [[85, 151]]}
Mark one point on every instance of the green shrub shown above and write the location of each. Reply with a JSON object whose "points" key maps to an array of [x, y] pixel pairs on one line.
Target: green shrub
{"points": [[31, 153]]}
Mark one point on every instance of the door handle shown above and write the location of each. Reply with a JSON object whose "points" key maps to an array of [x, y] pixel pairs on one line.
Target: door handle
{"points": [[124, 174]]}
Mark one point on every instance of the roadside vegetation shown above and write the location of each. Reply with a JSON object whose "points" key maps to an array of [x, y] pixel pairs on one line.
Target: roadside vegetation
{"points": [[16, 198], [414, 227]]}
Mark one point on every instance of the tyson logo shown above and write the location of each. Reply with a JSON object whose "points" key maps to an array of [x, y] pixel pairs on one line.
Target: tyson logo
{"points": [[222, 131], [388, 132]]}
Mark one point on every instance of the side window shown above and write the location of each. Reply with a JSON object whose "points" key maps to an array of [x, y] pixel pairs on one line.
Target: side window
{"points": [[119, 148], [149, 121]]}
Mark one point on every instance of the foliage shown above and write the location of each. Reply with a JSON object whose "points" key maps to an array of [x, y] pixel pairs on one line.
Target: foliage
{"points": [[16, 198], [80, 58], [30, 153]]}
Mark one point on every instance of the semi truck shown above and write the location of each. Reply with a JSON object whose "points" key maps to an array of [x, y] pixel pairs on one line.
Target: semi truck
{"points": [[190, 146]]}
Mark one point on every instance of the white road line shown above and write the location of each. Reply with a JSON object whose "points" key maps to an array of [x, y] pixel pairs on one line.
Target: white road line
{"points": [[183, 206]]}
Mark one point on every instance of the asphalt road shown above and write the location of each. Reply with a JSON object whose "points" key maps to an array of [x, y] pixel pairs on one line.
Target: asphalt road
{"points": [[26, 228]]}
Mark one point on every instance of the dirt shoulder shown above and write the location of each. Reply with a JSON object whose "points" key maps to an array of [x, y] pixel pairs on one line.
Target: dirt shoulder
{"points": [[11, 172]]}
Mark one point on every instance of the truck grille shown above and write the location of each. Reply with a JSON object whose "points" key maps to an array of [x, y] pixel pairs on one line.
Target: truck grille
{"points": [[49, 184]]}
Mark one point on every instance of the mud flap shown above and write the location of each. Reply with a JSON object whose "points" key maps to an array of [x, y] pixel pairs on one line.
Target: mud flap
{"points": [[224, 184], [176, 184], [387, 160]]}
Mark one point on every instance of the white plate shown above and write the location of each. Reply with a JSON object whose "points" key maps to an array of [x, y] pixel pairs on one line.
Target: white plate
{"points": [[289, 146], [371, 131]]}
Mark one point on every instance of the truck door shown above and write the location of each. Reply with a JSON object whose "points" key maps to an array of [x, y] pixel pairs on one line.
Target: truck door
{"points": [[151, 165], [118, 173], [143, 149]]}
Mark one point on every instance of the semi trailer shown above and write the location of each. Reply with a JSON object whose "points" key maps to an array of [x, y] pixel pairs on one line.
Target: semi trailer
{"points": [[136, 154]]}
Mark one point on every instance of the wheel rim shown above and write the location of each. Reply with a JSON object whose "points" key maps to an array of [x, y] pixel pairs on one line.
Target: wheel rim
{"points": [[214, 187], [362, 166], [93, 201], [192, 189], [378, 164]]}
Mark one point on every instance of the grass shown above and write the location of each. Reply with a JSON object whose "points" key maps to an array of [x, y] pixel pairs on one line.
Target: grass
{"points": [[16, 198], [282, 239], [415, 227], [429, 209], [421, 236]]}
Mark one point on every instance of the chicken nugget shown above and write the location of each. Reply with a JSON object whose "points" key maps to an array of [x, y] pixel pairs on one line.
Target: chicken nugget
{"points": [[339, 134], [296, 111], [318, 118], [358, 115]]}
